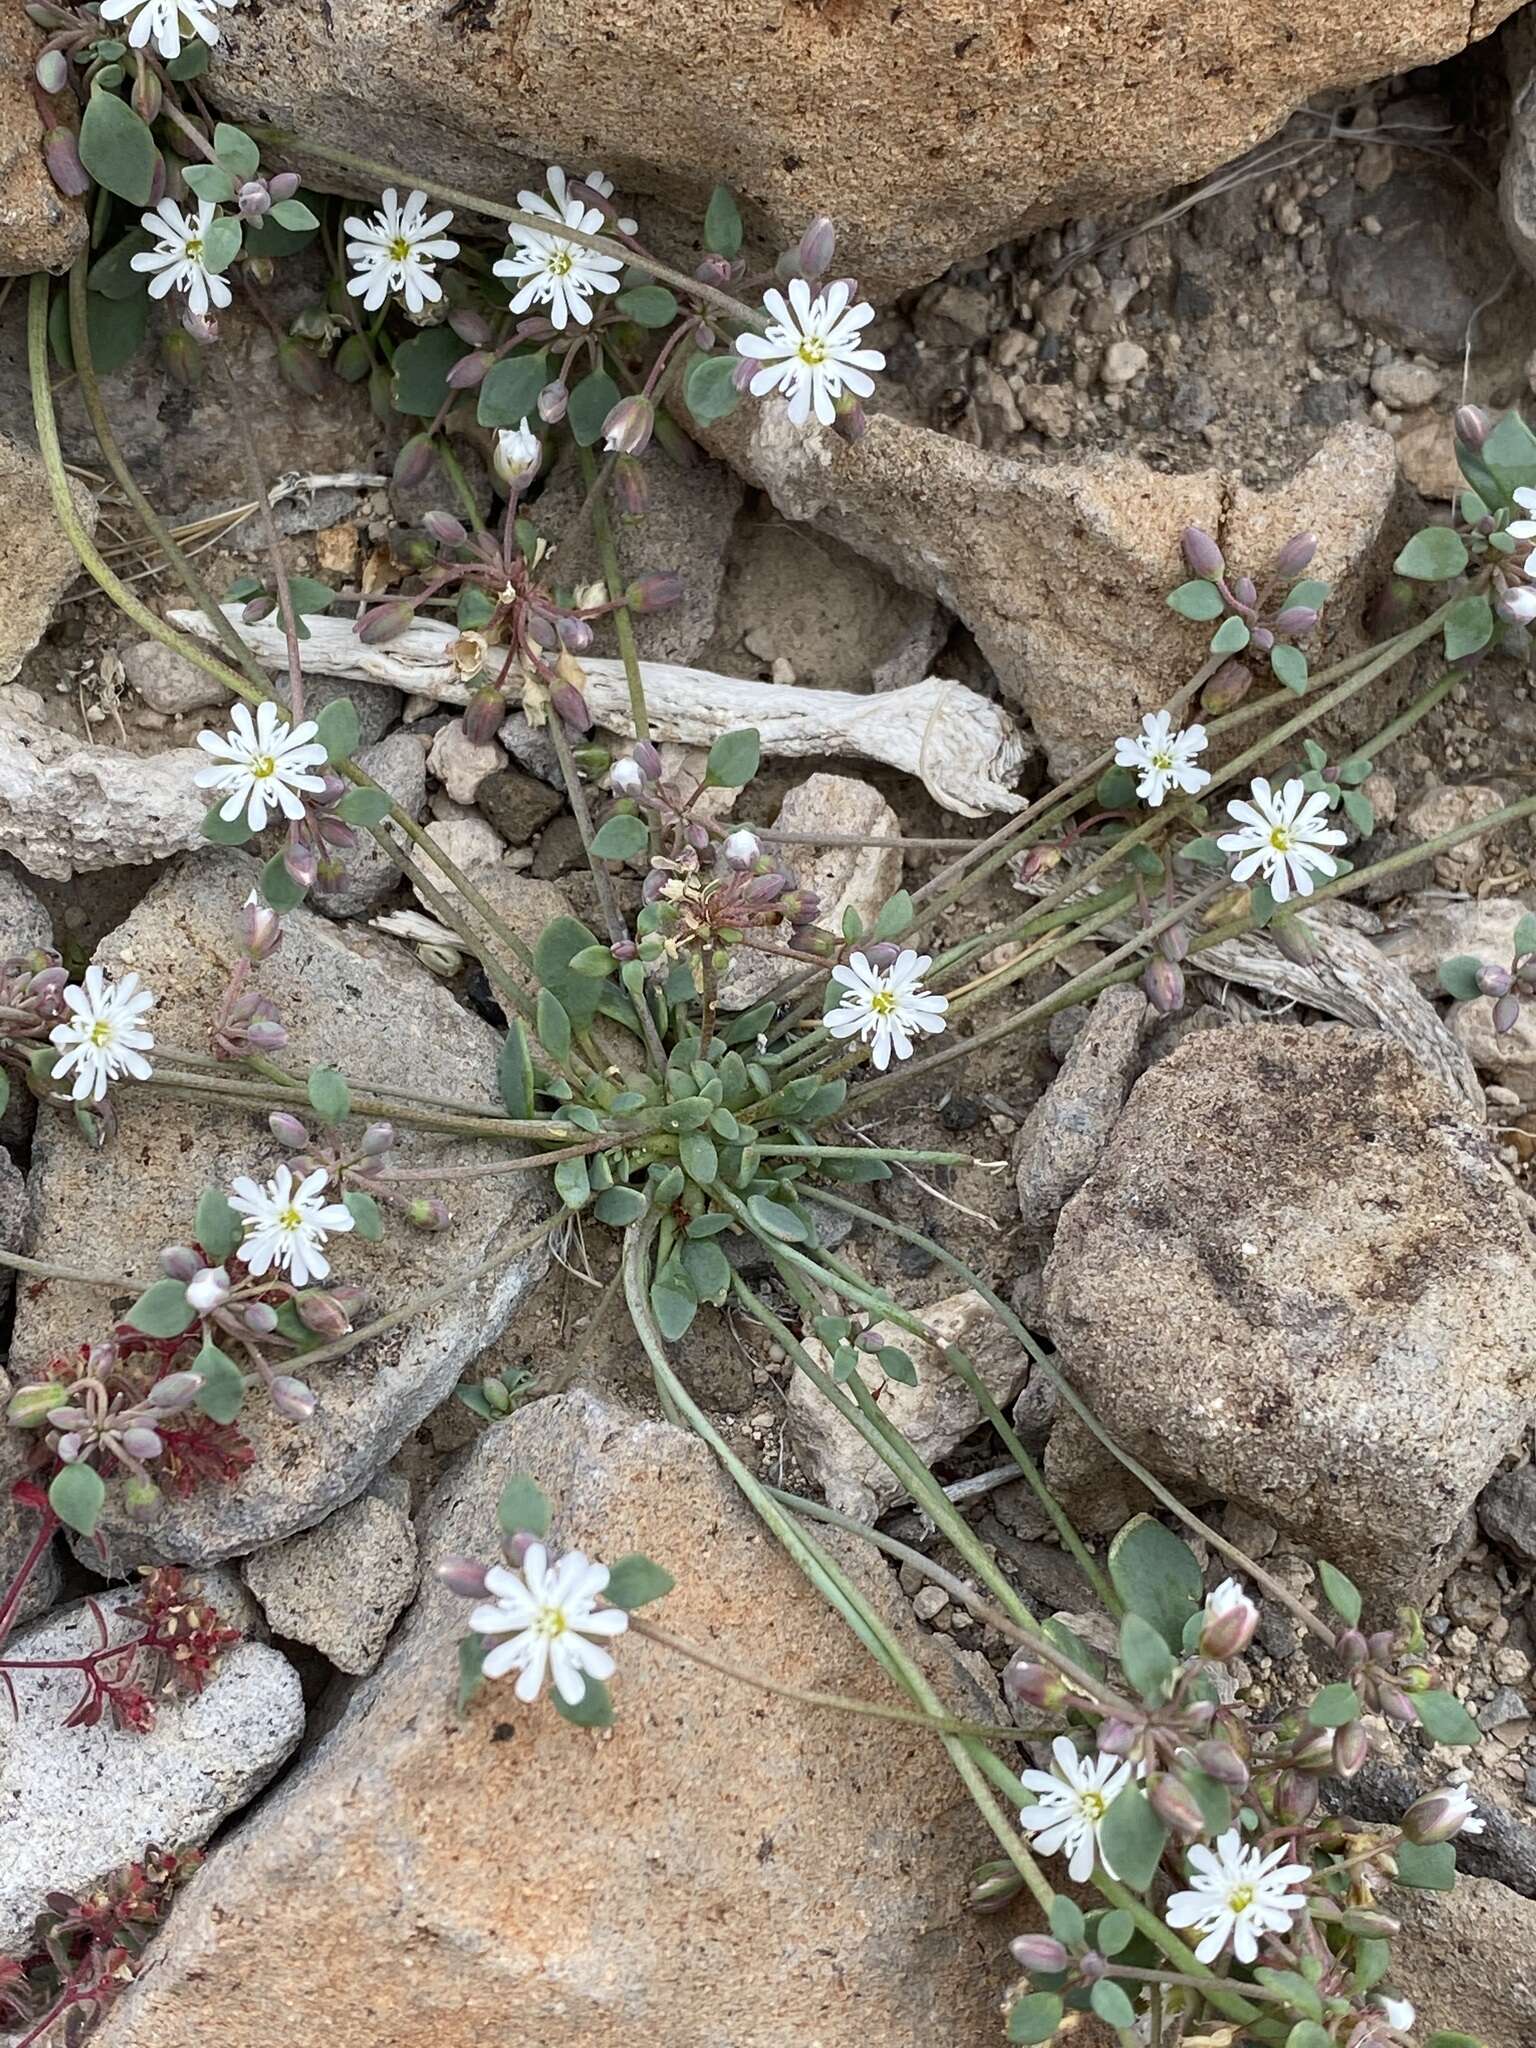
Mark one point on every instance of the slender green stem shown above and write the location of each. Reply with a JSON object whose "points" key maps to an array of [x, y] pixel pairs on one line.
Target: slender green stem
{"points": [[623, 624]]}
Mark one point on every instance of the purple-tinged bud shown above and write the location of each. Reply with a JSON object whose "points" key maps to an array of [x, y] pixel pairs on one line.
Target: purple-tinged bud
{"points": [[1226, 689], [647, 760], [291, 1398], [626, 778], [208, 1290], [882, 955], [629, 488], [260, 607], [1092, 1966], [377, 1140], [1245, 592], [1351, 1748], [470, 326], [52, 72], [627, 429], [1351, 1649], [542, 631], [253, 199], [1201, 552], [469, 371], [445, 529], [1438, 1816], [1494, 980], [1367, 1921], [300, 859], [1176, 1807], [655, 591], [69, 1447], [696, 832], [1516, 607], [1313, 1751], [31, 1406], [1382, 1643], [175, 1390], [1296, 1796], [1173, 944], [714, 270], [741, 849], [1506, 1014], [142, 1442], [1471, 426], [1040, 1955], [515, 1548], [463, 1576], [301, 368], [1297, 619], [180, 1262], [261, 929], [1162, 983], [624, 950], [852, 422], [1295, 555], [742, 374], [483, 715], [567, 702], [818, 246], [553, 400], [992, 1886], [1261, 639], [1117, 1737], [427, 1212], [1229, 1622], [287, 1130], [385, 621], [140, 1497], [61, 153], [415, 462], [1033, 1685], [573, 633], [1395, 1703], [765, 889], [321, 1313], [260, 1318], [1219, 1760]]}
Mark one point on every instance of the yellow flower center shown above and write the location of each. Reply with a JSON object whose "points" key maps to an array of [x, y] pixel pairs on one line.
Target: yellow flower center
{"points": [[1163, 761], [194, 249], [550, 1622], [561, 263], [1240, 1900], [399, 249], [812, 351], [263, 768], [1279, 839], [883, 1003], [101, 1031], [1094, 1805], [290, 1219]]}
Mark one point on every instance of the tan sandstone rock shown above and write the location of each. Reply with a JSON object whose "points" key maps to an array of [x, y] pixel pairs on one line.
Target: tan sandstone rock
{"points": [[718, 1867], [39, 228]]}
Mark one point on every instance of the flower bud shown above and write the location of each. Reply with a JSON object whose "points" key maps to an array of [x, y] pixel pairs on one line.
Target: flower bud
{"points": [[322, 1313], [629, 488], [180, 1262], [1201, 553], [1506, 1014], [515, 1548], [415, 462], [654, 592], [515, 455], [1261, 639], [483, 715], [1176, 1807], [69, 1447], [287, 1130], [253, 199], [626, 778], [31, 1406], [1351, 1649], [470, 326], [1297, 619], [1516, 607], [1117, 1737], [628, 427], [469, 370], [1367, 1921], [427, 1212], [142, 1442], [1162, 983], [1219, 1760], [140, 1497], [1226, 689], [553, 400], [741, 849], [1229, 1622], [260, 1318], [573, 633], [495, 1396], [52, 71], [377, 1140], [1296, 1796], [445, 529], [1351, 1748], [567, 702], [61, 153], [208, 1290], [1440, 1816], [175, 1390], [300, 859], [714, 270], [291, 1398], [1092, 1966], [1040, 1955], [1295, 555], [1471, 426], [817, 247], [464, 1576], [384, 621], [1033, 1685], [992, 1886]]}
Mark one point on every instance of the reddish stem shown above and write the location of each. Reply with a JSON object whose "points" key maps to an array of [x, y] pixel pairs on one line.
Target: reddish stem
{"points": [[10, 1605]]}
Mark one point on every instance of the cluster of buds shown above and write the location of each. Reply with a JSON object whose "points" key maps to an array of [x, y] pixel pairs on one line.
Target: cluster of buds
{"points": [[79, 54], [1467, 978], [1162, 979], [32, 989], [246, 1021], [1271, 622], [364, 1166], [187, 1634]]}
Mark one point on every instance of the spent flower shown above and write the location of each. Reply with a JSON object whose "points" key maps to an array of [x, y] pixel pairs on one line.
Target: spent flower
{"points": [[398, 249], [549, 1616], [1163, 757], [262, 765], [812, 351], [1236, 1895], [1281, 836], [887, 1008], [287, 1222], [1074, 1798], [103, 1037], [178, 261]]}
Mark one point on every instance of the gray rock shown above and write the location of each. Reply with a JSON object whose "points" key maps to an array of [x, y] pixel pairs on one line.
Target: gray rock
{"points": [[77, 1802], [1466, 1959], [1506, 1508], [1434, 927], [518, 804], [1384, 1790], [370, 1010], [340, 1586], [168, 682], [18, 1525], [1060, 1140], [1297, 1280], [378, 707], [532, 748], [1438, 257], [1505, 1706], [37, 560], [25, 925], [1505, 1056], [15, 1216], [934, 1416], [390, 1840], [398, 765]]}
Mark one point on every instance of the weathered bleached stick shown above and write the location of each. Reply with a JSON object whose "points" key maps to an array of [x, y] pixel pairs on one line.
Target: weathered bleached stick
{"points": [[966, 750]]}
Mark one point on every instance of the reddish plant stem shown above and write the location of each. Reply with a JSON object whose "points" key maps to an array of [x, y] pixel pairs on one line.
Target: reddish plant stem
{"points": [[11, 1604]]}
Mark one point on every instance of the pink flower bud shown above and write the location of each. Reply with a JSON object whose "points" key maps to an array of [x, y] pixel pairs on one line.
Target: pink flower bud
{"points": [[1219, 1760], [464, 1576], [260, 1318], [852, 422], [291, 1398], [573, 632], [1494, 980], [515, 1548], [1506, 1014], [553, 400], [1226, 689], [741, 849], [1162, 983], [61, 153], [1039, 1955], [1471, 426], [1351, 1649], [253, 199], [626, 778], [1351, 1748], [175, 1390], [445, 529], [322, 1313], [283, 184], [1395, 1703], [143, 1442], [1229, 1623], [817, 247], [1296, 1796], [1201, 552], [1297, 619], [470, 326], [1176, 1807], [469, 370], [415, 462], [483, 715], [427, 1212], [1440, 1816], [287, 1130], [654, 592], [1262, 639], [1117, 1737], [300, 859], [208, 1289], [714, 270], [568, 703], [627, 429], [377, 1140], [1295, 555], [265, 1034], [261, 929], [1032, 1685], [647, 760], [385, 621]]}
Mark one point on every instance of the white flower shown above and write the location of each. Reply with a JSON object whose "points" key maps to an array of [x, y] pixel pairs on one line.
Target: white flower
{"points": [[263, 765], [1163, 758], [1523, 529], [208, 1289], [887, 1007], [811, 351], [1397, 2012], [167, 21], [287, 1223], [1283, 834], [516, 454], [177, 257], [552, 270], [1074, 1800], [397, 250], [103, 1037], [741, 848], [548, 1615], [626, 778], [1237, 1894], [1461, 1816], [1518, 606], [1230, 1620], [604, 185]]}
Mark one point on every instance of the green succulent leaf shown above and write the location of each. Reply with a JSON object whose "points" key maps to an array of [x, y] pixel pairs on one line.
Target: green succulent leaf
{"points": [[522, 1509], [593, 1710], [1334, 1707], [471, 1662], [1445, 1719], [648, 305], [1458, 977], [1197, 599], [364, 807], [222, 1393], [509, 390], [1426, 1868], [162, 1310], [1468, 626], [619, 1206], [1035, 2018], [336, 726], [217, 1226], [709, 387], [1341, 1593], [367, 1216], [1131, 1838], [1433, 555], [623, 837], [1230, 637], [77, 1495], [236, 151], [635, 1581], [418, 375], [329, 1096], [1290, 667], [1157, 1576], [722, 223], [734, 758], [117, 148], [590, 403]]}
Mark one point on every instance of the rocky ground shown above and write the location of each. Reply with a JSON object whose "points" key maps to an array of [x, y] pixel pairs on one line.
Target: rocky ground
{"points": [[1321, 1327]]}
